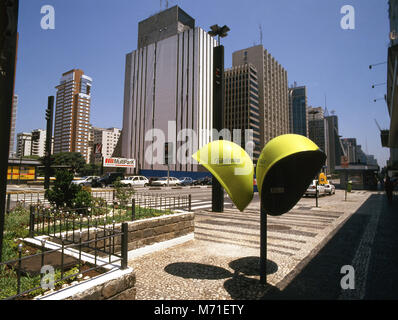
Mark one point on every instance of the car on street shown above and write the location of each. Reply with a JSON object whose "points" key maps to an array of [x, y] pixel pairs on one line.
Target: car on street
{"points": [[186, 181], [85, 181], [330, 188], [163, 182], [203, 181], [135, 181], [108, 179], [311, 190]]}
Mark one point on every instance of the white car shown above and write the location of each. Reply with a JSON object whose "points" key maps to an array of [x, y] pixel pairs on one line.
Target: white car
{"points": [[85, 181], [311, 190], [330, 188], [135, 181], [163, 182]]}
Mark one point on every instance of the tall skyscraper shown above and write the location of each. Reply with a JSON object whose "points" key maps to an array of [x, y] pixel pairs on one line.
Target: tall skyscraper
{"points": [[13, 120], [272, 91], [168, 78], [298, 110], [72, 113], [241, 104], [318, 131], [335, 152]]}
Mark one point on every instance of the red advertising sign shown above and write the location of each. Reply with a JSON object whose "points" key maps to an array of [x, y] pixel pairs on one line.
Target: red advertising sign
{"points": [[119, 162]]}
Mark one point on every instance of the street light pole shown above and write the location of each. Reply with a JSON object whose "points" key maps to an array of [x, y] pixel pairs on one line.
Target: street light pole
{"points": [[217, 194]]}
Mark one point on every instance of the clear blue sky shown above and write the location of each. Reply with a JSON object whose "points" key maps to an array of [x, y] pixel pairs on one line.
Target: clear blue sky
{"points": [[304, 36]]}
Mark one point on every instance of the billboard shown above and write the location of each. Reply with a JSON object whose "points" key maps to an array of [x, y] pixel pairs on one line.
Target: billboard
{"points": [[119, 162]]}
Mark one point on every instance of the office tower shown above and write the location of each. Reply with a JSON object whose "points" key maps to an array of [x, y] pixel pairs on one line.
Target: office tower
{"points": [[241, 110], [12, 128], [318, 130], [24, 144], [335, 149], [163, 25], [72, 113], [298, 110], [272, 91], [168, 79], [104, 142], [38, 147]]}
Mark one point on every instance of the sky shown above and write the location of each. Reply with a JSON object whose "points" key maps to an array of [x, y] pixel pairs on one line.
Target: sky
{"points": [[304, 36]]}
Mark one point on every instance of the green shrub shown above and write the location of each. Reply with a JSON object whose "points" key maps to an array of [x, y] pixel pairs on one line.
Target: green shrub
{"points": [[122, 194], [63, 192]]}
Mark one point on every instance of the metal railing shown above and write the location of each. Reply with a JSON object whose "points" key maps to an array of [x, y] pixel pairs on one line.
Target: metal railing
{"points": [[102, 244]]}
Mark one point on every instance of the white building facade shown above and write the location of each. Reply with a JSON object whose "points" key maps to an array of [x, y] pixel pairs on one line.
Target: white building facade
{"points": [[168, 80], [104, 142]]}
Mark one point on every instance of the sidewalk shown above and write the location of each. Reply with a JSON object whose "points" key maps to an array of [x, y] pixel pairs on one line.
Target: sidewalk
{"points": [[369, 242], [306, 250]]}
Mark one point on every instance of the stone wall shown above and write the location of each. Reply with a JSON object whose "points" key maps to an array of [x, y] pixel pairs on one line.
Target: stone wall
{"points": [[122, 288]]}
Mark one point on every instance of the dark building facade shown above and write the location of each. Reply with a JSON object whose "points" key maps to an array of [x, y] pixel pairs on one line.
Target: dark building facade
{"points": [[241, 104], [298, 110]]}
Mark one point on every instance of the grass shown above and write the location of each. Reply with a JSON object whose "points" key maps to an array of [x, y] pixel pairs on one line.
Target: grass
{"points": [[17, 226]]}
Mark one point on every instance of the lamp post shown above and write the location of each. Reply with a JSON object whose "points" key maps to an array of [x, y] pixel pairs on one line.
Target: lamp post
{"points": [[217, 194]]}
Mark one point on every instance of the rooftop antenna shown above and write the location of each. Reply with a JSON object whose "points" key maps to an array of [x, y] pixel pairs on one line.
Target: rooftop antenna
{"points": [[167, 4], [326, 108], [333, 112], [261, 33]]}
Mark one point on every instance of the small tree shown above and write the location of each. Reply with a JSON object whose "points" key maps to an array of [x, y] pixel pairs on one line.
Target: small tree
{"points": [[122, 194], [63, 192]]}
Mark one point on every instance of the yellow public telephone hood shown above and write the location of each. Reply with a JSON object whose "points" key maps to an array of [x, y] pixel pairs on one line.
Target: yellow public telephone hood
{"points": [[232, 167], [285, 168]]}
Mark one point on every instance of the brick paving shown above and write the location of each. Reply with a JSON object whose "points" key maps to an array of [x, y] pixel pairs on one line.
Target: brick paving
{"points": [[222, 261]]}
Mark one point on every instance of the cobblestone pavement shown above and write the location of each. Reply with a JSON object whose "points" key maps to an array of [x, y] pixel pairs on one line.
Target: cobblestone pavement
{"points": [[222, 261]]}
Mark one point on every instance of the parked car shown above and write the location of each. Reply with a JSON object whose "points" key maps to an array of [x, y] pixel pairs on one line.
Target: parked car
{"points": [[85, 181], [108, 179], [151, 179], [135, 181], [330, 188], [163, 182], [203, 181], [186, 181], [311, 190]]}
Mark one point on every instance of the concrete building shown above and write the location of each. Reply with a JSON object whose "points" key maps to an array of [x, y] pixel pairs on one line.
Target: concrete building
{"points": [[168, 78], [241, 104], [12, 128], [38, 147], [104, 142], [318, 130], [391, 96], [72, 113], [24, 144], [273, 91], [335, 150], [298, 116], [163, 25], [350, 149]]}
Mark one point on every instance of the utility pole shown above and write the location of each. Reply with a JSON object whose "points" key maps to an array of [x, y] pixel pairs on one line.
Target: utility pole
{"points": [[49, 133], [8, 48]]}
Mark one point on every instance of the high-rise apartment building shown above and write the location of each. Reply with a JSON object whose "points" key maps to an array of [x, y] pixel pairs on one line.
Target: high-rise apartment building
{"points": [[12, 128], [272, 91], [298, 110], [241, 110], [24, 144], [72, 113], [168, 78], [105, 140], [38, 143]]}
